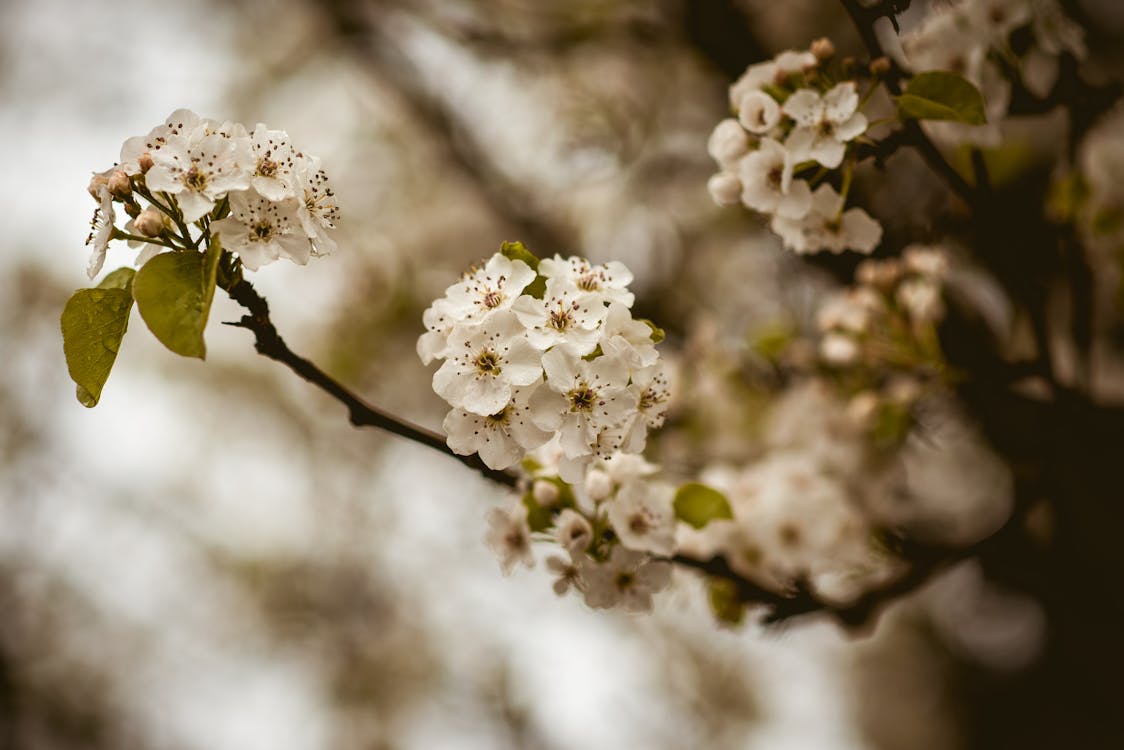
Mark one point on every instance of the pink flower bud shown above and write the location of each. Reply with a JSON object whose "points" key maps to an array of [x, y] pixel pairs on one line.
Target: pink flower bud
{"points": [[823, 49], [144, 162], [97, 182]]}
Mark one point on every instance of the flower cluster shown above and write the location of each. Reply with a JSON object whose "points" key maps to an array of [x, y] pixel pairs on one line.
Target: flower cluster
{"points": [[267, 199], [535, 353], [795, 123], [974, 39], [797, 520], [878, 338], [609, 528]]}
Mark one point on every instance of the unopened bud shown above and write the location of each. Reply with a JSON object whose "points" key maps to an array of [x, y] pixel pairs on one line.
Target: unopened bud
{"points": [[132, 208], [880, 66], [120, 186], [150, 223], [144, 161], [545, 493], [598, 484], [823, 49], [97, 182]]}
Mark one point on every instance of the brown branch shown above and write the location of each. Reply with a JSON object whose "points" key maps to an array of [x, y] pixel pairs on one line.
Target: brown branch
{"points": [[361, 414]]}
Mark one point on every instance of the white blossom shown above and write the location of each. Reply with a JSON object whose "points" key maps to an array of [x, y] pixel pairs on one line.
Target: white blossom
{"points": [[567, 572], [502, 438], [727, 143], [561, 318], [485, 362], [725, 189], [317, 208], [486, 290], [824, 124], [261, 230], [653, 395], [509, 536], [758, 112], [768, 185], [200, 169], [573, 531], [627, 579], [828, 227], [628, 338], [273, 163], [643, 517], [101, 230], [590, 283], [139, 149]]}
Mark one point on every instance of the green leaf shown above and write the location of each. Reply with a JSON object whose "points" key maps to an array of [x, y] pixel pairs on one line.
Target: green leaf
{"points": [[174, 292], [941, 95], [698, 504], [93, 323], [519, 251]]}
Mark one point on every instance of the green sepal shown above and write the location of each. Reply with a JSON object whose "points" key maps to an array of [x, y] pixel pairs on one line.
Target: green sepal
{"points": [[698, 505], [93, 323], [174, 293], [942, 95]]}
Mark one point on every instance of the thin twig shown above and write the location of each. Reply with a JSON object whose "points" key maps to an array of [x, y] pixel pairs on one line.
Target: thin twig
{"points": [[361, 414]]}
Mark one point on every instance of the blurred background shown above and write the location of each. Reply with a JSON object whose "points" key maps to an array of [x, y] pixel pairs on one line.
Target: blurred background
{"points": [[213, 559]]}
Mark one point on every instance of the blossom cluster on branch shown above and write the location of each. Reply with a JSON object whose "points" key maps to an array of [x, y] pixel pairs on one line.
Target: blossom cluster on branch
{"points": [[268, 199], [797, 120]]}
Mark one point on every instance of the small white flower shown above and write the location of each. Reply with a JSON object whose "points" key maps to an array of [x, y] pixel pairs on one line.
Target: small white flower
{"points": [[725, 188], [926, 261], [849, 310], [273, 163], [921, 299], [598, 484], [838, 349], [643, 517], [653, 395], [200, 169], [502, 438], [758, 112], [439, 319], [583, 400], [589, 283], [318, 211], [567, 572], [630, 339], [627, 579], [510, 536], [572, 530], [824, 124], [261, 230], [771, 72], [727, 143], [136, 152], [828, 227], [487, 290], [485, 362], [561, 318], [768, 185], [101, 230]]}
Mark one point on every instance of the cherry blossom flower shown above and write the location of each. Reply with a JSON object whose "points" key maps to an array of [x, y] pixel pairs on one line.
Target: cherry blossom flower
{"points": [[627, 579], [101, 230], [509, 536], [136, 152], [562, 317], [758, 112], [317, 208], [273, 163], [824, 124], [768, 185], [567, 572], [828, 227], [501, 439], [589, 283], [487, 290], [643, 517], [200, 170], [485, 363], [261, 230], [728, 143], [572, 530]]}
